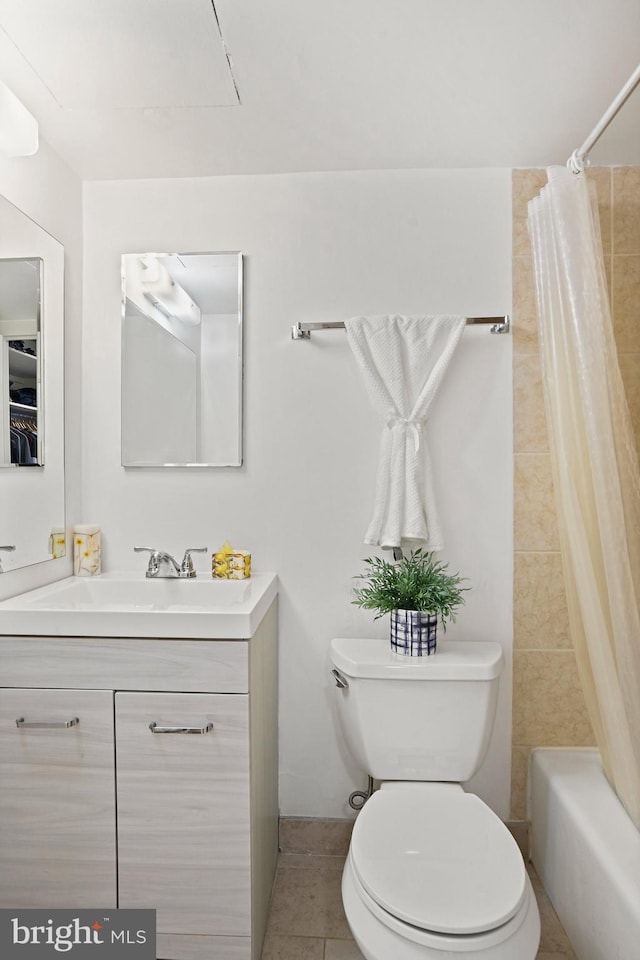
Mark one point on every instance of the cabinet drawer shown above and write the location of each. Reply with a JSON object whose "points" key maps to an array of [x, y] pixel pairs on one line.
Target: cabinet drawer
{"points": [[183, 810], [123, 664], [57, 802]]}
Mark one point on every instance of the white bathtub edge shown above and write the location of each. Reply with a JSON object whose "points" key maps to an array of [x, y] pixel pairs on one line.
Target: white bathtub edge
{"points": [[586, 852]]}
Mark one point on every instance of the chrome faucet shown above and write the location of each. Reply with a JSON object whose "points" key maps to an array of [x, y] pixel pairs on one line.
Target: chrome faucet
{"points": [[8, 547], [162, 566]]}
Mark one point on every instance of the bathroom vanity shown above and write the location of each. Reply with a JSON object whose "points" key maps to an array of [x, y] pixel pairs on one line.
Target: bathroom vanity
{"points": [[141, 770]]}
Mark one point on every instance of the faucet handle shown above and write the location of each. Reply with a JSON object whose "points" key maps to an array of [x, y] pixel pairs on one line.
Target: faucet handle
{"points": [[9, 546], [187, 568], [152, 569]]}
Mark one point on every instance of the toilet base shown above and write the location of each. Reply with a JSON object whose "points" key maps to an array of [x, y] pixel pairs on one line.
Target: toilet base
{"points": [[518, 939]]}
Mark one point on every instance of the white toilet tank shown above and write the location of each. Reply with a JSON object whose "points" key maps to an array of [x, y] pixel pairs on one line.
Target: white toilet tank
{"points": [[417, 718]]}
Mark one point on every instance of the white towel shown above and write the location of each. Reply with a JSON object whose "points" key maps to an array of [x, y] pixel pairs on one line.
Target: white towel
{"points": [[404, 360]]}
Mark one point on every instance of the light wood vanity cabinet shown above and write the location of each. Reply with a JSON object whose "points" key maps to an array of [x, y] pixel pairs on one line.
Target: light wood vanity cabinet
{"points": [[107, 812], [57, 798]]}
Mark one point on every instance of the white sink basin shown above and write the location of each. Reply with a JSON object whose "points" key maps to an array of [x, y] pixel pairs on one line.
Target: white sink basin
{"points": [[130, 605]]}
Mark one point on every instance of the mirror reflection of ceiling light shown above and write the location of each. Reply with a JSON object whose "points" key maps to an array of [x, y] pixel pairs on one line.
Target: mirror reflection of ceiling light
{"points": [[159, 287], [18, 128]]}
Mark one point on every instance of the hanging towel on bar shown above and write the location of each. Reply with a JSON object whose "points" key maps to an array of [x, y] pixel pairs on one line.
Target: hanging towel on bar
{"points": [[404, 360]]}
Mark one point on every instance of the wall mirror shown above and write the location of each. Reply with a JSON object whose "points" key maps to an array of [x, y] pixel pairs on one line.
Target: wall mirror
{"points": [[181, 359], [31, 391]]}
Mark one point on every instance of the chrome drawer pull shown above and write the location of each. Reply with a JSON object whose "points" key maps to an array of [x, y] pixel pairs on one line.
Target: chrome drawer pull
{"points": [[208, 727], [61, 724]]}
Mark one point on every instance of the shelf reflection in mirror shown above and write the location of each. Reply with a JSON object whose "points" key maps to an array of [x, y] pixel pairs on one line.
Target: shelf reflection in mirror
{"points": [[20, 356], [182, 359], [31, 391]]}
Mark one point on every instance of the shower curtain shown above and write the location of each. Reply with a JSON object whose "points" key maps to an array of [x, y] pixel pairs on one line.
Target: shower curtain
{"points": [[595, 469]]}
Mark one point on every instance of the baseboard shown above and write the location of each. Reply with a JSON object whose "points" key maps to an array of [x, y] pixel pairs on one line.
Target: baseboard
{"points": [[319, 837]]}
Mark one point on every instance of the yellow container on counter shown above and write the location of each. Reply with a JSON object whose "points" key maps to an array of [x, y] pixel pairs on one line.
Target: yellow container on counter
{"points": [[231, 564], [240, 565]]}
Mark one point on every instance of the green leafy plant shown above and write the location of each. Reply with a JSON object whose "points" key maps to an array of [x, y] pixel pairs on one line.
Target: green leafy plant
{"points": [[417, 582]]}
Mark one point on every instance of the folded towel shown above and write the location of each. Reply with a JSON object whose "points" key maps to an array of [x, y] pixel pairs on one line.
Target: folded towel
{"points": [[403, 360]]}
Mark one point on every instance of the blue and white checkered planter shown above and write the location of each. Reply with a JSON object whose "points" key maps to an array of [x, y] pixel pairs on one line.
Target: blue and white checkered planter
{"points": [[413, 632]]}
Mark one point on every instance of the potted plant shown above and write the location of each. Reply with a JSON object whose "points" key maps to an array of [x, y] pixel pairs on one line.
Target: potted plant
{"points": [[417, 591]]}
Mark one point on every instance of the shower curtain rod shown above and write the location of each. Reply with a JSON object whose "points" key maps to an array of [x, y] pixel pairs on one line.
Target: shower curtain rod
{"points": [[577, 159], [302, 331]]}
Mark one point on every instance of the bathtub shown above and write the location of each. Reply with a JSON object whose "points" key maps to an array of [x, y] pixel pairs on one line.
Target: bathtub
{"points": [[586, 851]]}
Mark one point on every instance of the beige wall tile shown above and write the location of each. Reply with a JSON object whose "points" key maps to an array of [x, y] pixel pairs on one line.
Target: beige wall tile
{"points": [[521, 241], [602, 179], [535, 522], [519, 830], [541, 618], [519, 770], [630, 370], [529, 420], [548, 703], [525, 324], [526, 184], [626, 210], [608, 270], [626, 303]]}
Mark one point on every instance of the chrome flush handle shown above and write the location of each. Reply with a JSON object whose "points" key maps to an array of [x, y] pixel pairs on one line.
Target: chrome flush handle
{"points": [[341, 681]]}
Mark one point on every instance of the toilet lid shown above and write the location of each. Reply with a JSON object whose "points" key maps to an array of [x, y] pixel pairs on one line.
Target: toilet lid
{"points": [[438, 858]]}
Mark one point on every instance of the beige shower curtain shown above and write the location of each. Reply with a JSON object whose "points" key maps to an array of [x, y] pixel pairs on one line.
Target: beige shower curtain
{"points": [[595, 467]]}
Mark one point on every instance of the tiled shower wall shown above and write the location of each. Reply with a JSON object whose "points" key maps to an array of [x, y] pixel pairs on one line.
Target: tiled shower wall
{"points": [[548, 705]]}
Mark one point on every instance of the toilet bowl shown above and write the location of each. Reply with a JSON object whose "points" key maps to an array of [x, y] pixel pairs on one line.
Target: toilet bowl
{"points": [[432, 873]]}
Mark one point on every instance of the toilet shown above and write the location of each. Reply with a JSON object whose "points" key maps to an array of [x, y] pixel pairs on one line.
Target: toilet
{"points": [[432, 872]]}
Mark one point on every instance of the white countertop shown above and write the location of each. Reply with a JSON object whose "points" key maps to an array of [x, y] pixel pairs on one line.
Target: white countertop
{"points": [[127, 604]]}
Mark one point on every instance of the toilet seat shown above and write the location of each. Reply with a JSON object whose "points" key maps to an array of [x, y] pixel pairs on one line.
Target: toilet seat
{"points": [[438, 859], [381, 936]]}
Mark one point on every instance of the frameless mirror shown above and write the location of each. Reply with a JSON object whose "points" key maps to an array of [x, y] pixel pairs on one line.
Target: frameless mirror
{"points": [[31, 391], [181, 359]]}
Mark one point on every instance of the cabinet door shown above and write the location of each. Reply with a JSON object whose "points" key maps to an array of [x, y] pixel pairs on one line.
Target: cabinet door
{"points": [[183, 810], [57, 801]]}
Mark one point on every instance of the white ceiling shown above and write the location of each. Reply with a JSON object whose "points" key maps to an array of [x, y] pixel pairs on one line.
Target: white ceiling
{"points": [[166, 88]]}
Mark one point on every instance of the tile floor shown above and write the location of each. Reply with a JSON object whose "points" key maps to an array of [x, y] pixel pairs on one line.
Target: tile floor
{"points": [[307, 922]]}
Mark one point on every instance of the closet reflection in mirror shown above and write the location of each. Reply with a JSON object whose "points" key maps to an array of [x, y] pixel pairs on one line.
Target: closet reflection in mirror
{"points": [[21, 437], [182, 359], [32, 519]]}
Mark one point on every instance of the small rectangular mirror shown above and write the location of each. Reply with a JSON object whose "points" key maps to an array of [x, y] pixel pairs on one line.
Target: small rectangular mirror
{"points": [[182, 359]]}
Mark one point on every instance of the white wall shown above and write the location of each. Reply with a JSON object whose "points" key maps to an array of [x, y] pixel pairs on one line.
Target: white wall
{"points": [[317, 247], [46, 190]]}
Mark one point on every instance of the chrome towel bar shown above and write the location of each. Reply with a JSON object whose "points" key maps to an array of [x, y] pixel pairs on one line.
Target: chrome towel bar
{"points": [[302, 331]]}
